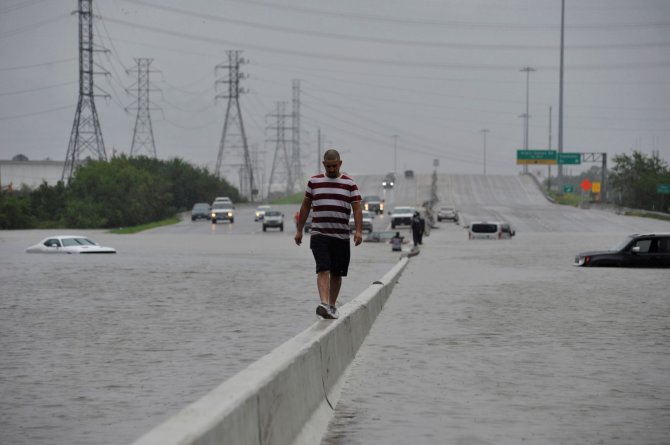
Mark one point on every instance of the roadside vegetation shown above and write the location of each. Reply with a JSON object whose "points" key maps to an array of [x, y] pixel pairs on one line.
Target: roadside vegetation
{"points": [[633, 182], [123, 192]]}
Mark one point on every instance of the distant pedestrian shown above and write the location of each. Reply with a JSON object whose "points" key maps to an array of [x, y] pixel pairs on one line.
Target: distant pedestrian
{"points": [[331, 197], [396, 242], [422, 228], [416, 228]]}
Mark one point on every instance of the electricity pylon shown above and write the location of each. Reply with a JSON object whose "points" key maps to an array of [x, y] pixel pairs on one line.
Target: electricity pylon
{"points": [[281, 157], [143, 134], [234, 118], [296, 161], [86, 133]]}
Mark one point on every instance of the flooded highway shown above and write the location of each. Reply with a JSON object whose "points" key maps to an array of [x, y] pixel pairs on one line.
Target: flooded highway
{"points": [[99, 349]]}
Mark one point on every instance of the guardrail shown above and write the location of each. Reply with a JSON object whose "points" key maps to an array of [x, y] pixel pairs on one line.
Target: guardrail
{"points": [[287, 396]]}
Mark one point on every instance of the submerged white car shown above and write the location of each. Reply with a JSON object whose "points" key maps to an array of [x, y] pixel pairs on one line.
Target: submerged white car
{"points": [[68, 244]]}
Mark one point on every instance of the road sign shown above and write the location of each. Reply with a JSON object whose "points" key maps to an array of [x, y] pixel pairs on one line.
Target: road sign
{"points": [[569, 158], [585, 185], [544, 157], [663, 189], [595, 187], [568, 189]]}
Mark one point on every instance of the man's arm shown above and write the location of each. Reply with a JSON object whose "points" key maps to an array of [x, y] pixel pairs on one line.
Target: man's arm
{"points": [[358, 221], [304, 213]]}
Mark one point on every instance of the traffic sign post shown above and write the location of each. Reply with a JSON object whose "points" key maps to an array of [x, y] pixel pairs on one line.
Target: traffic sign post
{"points": [[542, 157]]}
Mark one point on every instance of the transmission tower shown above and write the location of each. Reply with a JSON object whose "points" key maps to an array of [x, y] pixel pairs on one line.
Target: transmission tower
{"points": [[143, 134], [234, 118], [296, 161], [86, 133], [281, 157]]}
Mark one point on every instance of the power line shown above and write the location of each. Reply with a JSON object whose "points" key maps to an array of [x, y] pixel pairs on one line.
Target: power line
{"points": [[377, 61], [393, 41]]}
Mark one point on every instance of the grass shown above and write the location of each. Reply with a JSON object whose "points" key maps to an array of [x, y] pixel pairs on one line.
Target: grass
{"points": [[293, 199], [567, 199], [643, 214], [142, 227]]}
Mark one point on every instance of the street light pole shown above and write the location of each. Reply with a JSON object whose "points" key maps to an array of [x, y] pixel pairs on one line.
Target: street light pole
{"points": [[395, 153], [483, 131], [527, 70]]}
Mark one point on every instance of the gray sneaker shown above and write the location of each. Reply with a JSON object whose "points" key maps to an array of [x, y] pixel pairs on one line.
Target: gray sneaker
{"points": [[333, 311], [323, 311]]}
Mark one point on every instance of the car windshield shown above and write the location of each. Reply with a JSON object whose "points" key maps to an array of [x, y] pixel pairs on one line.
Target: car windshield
{"points": [[201, 207], [484, 228], [403, 210], [272, 213], [221, 205], [621, 244], [372, 199], [447, 209], [77, 242]]}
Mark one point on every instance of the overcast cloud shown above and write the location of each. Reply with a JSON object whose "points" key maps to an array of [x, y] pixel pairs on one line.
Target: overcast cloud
{"points": [[433, 72]]}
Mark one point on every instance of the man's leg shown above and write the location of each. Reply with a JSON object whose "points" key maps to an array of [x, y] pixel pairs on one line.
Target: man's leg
{"points": [[323, 284], [335, 284]]}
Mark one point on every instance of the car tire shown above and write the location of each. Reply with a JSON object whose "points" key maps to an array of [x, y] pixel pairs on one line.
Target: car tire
{"points": [[281, 228], [232, 220], [213, 220], [393, 225], [265, 229]]}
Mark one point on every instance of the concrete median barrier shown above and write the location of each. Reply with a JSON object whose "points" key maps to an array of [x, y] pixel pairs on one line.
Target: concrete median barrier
{"points": [[287, 396]]}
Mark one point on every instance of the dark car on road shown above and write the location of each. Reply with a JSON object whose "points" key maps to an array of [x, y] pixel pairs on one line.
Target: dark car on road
{"points": [[639, 250], [200, 211]]}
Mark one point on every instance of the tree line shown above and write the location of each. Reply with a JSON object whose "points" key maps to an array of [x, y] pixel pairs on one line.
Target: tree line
{"points": [[122, 192], [632, 182]]}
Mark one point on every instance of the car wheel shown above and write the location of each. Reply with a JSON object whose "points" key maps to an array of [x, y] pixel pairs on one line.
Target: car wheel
{"points": [[213, 220], [265, 229], [393, 225], [281, 228], [232, 220]]}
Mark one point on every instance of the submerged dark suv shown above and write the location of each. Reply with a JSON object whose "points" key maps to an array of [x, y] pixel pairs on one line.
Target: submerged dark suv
{"points": [[639, 250]]}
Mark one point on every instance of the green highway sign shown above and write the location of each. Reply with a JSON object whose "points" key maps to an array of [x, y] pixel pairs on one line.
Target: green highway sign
{"points": [[663, 189], [570, 158], [568, 189], [545, 157]]}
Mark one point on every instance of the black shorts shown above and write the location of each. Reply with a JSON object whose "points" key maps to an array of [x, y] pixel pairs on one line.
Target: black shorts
{"points": [[330, 254]]}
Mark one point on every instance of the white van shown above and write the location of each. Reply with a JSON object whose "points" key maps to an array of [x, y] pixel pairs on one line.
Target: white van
{"points": [[490, 230]]}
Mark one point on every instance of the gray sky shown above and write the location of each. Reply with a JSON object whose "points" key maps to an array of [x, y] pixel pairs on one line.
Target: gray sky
{"points": [[433, 72]]}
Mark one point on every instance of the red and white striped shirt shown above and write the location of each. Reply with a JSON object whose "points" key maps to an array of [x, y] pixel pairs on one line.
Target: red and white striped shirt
{"points": [[331, 204]]}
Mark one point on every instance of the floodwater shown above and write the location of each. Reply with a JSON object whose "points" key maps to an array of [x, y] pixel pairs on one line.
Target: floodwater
{"points": [[505, 342], [99, 349]]}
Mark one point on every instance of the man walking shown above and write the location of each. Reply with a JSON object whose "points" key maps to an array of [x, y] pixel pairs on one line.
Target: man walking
{"points": [[331, 197]]}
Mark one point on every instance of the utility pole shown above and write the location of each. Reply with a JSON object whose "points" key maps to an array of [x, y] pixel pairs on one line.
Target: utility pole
{"points": [[234, 116], [526, 116], [395, 154], [549, 148], [483, 132], [143, 134], [318, 152], [86, 133], [560, 96]]}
